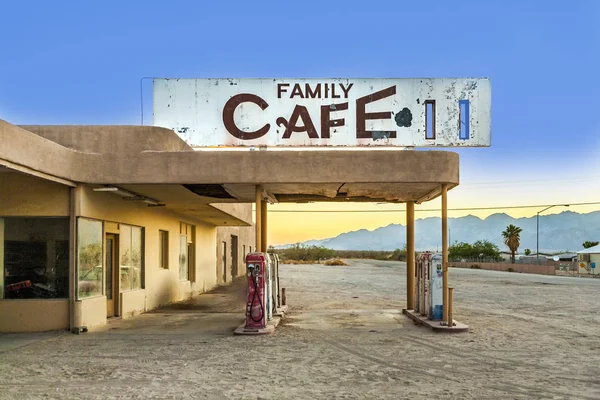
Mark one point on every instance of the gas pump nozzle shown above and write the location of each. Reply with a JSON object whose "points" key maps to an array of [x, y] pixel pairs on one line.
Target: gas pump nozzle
{"points": [[253, 271]]}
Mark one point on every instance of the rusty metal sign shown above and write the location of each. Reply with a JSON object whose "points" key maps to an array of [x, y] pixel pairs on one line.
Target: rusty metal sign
{"points": [[326, 112]]}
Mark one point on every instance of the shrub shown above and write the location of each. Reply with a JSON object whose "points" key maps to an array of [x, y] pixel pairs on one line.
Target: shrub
{"points": [[335, 261], [300, 252]]}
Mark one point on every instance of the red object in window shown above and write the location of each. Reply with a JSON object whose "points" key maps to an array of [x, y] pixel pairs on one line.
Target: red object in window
{"points": [[18, 285]]}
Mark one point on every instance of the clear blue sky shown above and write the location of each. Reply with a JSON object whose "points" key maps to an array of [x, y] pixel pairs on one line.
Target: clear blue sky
{"points": [[81, 63]]}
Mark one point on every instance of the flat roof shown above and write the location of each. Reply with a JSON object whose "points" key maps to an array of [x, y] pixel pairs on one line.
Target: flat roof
{"points": [[155, 162]]}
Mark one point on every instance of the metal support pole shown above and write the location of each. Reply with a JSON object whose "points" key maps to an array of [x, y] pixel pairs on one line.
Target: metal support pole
{"points": [[263, 226], [258, 218], [537, 237], [445, 251], [410, 255], [450, 300]]}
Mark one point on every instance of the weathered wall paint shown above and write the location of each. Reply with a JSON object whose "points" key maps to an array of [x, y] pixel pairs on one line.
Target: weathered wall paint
{"points": [[322, 112]]}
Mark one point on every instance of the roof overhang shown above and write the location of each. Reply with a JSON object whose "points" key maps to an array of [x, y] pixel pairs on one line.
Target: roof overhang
{"points": [[284, 176]]}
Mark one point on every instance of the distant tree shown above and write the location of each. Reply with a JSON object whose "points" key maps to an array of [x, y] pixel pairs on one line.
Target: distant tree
{"points": [[479, 249], [460, 250], [512, 239], [587, 244], [527, 252], [486, 249]]}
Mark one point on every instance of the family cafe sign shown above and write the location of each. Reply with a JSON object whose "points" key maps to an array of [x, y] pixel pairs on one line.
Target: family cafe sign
{"points": [[325, 112]]}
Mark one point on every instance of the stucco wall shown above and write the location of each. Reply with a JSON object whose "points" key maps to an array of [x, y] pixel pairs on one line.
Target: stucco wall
{"points": [[133, 302], [246, 239], [162, 286], [25, 195], [91, 312], [111, 139], [34, 315]]}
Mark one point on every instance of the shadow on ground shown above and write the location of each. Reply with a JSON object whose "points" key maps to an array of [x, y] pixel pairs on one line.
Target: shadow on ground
{"points": [[223, 299], [217, 312]]}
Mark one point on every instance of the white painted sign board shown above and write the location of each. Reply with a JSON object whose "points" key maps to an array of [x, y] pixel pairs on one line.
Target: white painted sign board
{"points": [[449, 112]]}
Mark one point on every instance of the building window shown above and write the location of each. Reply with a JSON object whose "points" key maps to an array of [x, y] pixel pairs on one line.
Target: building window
{"points": [[34, 258], [243, 253], [163, 249], [131, 254], [186, 252], [89, 258], [183, 258]]}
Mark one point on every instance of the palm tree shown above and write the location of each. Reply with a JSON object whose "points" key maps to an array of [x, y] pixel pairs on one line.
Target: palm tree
{"points": [[512, 238]]}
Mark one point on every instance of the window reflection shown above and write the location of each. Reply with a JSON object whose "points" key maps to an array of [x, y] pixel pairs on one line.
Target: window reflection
{"points": [[131, 256], [89, 257]]}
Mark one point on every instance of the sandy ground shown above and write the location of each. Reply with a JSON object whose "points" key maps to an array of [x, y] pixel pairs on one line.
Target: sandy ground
{"points": [[531, 336]]}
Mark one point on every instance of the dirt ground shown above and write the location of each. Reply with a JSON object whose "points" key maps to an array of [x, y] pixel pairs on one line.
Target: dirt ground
{"points": [[531, 336]]}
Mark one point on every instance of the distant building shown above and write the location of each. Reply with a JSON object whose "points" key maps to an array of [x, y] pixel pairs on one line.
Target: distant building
{"points": [[589, 260], [566, 257]]}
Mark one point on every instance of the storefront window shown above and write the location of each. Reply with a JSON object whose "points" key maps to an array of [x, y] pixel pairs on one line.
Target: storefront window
{"points": [[131, 251], [34, 258], [89, 257]]}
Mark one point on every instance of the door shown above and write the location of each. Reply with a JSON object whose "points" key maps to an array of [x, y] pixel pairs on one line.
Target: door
{"points": [[224, 255], [111, 275], [234, 255]]}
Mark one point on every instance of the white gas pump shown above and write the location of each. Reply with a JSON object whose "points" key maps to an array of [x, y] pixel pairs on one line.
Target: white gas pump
{"points": [[276, 296], [269, 287], [422, 263], [436, 311]]}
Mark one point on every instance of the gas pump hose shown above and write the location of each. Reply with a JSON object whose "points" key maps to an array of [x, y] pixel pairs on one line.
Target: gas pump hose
{"points": [[262, 311]]}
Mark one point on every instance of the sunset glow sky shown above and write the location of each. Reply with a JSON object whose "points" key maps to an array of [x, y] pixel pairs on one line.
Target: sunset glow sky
{"points": [[81, 63]]}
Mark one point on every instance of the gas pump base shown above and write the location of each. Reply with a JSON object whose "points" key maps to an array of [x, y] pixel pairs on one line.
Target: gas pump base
{"points": [[270, 328], [281, 311], [436, 326]]}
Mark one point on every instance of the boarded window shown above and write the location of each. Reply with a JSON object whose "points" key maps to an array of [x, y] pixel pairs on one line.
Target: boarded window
{"points": [[163, 249]]}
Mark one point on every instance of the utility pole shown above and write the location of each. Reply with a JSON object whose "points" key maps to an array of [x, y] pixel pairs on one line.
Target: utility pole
{"points": [[537, 236]]}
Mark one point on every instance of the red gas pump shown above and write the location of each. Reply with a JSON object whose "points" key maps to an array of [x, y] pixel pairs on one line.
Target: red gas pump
{"points": [[256, 311], [262, 315]]}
